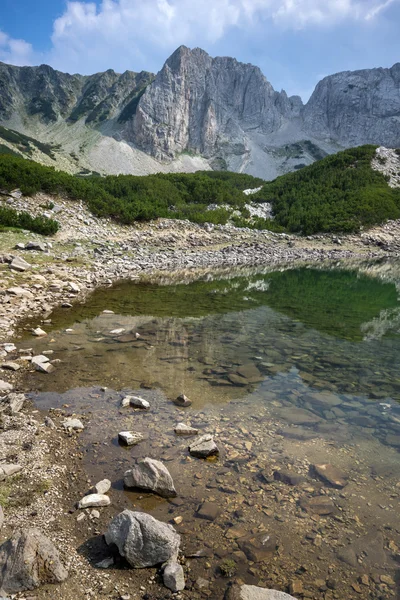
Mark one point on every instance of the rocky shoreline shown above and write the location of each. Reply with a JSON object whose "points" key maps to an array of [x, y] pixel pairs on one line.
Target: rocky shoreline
{"points": [[39, 454]]}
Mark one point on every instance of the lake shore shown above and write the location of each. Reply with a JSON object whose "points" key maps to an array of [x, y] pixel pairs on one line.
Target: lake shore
{"points": [[88, 253]]}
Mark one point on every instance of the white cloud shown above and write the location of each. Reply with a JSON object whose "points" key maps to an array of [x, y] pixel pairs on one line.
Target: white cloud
{"points": [[15, 52], [141, 33]]}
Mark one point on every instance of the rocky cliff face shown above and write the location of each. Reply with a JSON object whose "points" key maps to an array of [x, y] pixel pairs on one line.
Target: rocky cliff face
{"points": [[357, 107], [198, 112], [207, 105]]}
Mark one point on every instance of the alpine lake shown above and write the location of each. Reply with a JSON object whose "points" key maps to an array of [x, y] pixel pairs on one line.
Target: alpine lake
{"points": [[295, 372]]}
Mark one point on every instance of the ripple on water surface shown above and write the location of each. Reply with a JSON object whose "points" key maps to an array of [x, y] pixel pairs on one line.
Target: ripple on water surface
{"points": [[289, 370]]}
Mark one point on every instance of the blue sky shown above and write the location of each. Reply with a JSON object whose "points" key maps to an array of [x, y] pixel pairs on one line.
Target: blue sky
{"points": [[294, 42]]}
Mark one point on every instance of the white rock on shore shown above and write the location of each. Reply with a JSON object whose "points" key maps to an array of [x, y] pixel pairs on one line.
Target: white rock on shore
{"points": [[94, 500]]}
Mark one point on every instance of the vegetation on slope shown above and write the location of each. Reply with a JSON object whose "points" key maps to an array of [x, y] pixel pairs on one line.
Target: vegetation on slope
{"points": [[23, 220], [339, 193], [24, 143], [128, 198]]}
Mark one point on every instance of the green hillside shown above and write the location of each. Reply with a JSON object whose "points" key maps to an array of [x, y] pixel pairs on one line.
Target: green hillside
{"points": [[128, 198], [338, 193]]}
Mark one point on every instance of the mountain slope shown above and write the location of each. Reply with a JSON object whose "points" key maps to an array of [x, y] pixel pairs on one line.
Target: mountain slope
{"points": [[198, 112]]}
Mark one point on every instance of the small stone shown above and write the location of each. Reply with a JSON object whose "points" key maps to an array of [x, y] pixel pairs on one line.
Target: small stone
{"points": [[102, 487], [288, 477], [6, 470], [296, 587], [39, 246], [39, 359], [330, 474], [319, 505], [74, 424], [11, 366], [19, 292], [106, 563], [177, 520], [81, 517], [208, 511], [173, 576], [38, 332], [388, 580], [130, 438], [49, 423], [5, 386], [182, 429], [44, 367], [183, 401], [13, 403], [203, 447], [95, 514], [19, 264], [93, 500], [138, 402]]}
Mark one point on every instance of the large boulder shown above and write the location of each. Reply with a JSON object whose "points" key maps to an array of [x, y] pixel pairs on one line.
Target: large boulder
{"points": [[151, 475], [27, 560], [252, 592], [143, 540]]}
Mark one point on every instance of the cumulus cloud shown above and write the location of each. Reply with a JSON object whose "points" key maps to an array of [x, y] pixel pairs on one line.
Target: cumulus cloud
{"points": [[89, 37], [15, 52]]}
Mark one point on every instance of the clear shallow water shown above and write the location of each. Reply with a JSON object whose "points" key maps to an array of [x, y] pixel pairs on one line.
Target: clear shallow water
{"points": [[287, 369]]}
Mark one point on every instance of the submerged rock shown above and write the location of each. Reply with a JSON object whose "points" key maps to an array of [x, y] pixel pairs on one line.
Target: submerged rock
{"points": [[330, 474], [151, 475], [138, 402], [203, 447], [183, 401], [208, 511], [318, 505], [182, 429], [27, 560], [73, 424], [143, 540], [130, 438]]}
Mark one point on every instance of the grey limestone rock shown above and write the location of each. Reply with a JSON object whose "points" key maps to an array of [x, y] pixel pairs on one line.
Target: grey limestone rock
{"points": [[143, 540], [27, 560], [151, 475], [173, 576], [204, 446]]}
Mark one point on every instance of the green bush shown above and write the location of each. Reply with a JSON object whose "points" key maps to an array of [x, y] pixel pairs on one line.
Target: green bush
{"points": [[338, 193], [23, 220], [128, 198]]}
